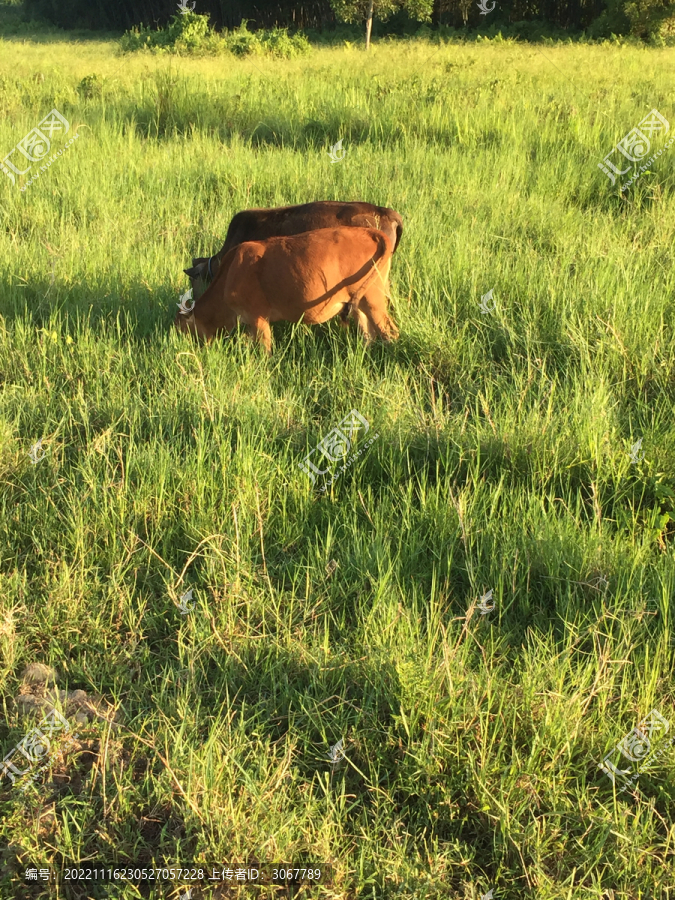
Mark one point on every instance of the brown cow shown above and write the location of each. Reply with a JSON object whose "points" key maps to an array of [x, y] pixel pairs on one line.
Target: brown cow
{"points": [[260, 224], [308, 277]]}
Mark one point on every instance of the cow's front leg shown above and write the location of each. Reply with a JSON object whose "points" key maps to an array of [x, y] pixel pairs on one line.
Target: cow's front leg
{"points": [[373, 308], [261, 333]]}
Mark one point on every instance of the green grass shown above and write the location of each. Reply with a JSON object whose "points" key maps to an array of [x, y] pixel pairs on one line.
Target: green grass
{"points": [[503, 462]]}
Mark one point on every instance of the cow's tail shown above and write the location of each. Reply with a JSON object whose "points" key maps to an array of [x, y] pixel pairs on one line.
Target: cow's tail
{"points": [[399, 231], [383, 252]]}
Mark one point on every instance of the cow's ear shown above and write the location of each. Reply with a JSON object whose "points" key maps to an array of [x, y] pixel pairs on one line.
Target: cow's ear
{"points": [[193, 272]]}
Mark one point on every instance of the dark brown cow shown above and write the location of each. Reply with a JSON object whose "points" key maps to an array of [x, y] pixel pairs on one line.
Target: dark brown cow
{"points": [[260, 224], [308, 277]]}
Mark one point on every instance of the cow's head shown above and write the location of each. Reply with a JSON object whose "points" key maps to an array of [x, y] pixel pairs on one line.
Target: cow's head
{"points": [[199, 274], [185, 323]]}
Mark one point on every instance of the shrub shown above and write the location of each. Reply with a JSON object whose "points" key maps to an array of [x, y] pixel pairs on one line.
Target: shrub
{"points": [[242, 42], [90, 86], [278, 42], [191, 33]]}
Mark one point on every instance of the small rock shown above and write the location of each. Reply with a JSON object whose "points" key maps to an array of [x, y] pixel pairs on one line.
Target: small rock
{"points": [[38, 673], [29, 703], [35, 697]]}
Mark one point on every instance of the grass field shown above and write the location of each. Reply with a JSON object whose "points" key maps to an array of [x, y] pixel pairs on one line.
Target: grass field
{"points": [[503, 463]]}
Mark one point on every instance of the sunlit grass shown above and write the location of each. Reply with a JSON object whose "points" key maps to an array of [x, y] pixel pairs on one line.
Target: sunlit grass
{"points": [[503, 462]]}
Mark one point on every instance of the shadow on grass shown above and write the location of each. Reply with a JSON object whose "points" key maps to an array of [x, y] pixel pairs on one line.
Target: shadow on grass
{"points": [[36, 36]]}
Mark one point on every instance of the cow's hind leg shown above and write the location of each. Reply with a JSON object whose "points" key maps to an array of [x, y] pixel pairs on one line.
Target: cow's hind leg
{"points": [[364, 324]]}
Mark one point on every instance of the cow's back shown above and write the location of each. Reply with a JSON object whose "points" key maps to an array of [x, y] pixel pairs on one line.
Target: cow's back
{"points": [[286, 221]]}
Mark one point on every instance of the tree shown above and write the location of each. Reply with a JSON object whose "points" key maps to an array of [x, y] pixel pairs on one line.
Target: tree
{"points": [[465, 9], [648, 16], [351, 10]]}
